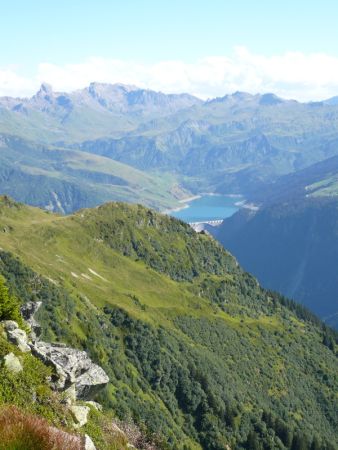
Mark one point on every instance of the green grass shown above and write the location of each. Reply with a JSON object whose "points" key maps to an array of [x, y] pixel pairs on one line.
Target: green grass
{"points": [[194, 348]]}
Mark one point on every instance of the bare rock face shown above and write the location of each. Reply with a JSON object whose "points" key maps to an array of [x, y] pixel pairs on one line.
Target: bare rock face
{"points": [[95, 405], [72, 367], [27, 311], [9, 325], [75, 373]]}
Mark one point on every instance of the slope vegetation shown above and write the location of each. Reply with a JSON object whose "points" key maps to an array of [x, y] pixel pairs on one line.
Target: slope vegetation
{"points": [[195, 349]]}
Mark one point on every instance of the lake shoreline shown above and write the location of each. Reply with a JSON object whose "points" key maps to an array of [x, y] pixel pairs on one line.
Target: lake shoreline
{"points": [[190, 199], [186, 203], [184, 206]]}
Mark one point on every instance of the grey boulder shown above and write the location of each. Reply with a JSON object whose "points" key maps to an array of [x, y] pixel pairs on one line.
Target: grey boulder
{"points": [[89, 444], [72, 367], [80, 414], [16, 335], [12, 363]]}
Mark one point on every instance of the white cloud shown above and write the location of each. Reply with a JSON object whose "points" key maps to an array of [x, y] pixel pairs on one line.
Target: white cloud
{"points": [[290, 75], [13, 85]]}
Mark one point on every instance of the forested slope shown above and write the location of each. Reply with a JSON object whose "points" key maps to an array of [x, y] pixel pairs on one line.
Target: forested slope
{"points": [[195, 349]]}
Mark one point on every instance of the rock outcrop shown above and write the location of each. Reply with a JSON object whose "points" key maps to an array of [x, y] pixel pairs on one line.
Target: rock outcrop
{"points": [[72, 367], [95, 405], [74, 372], [89, 444], [27, 311], [16, 335]]}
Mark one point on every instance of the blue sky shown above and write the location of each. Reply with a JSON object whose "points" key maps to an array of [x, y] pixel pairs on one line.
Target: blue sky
{"points": [[43, 38]]}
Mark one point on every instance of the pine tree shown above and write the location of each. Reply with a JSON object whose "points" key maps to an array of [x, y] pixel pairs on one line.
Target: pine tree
{"points": [[9, 306], [299, 442], [316, 444], [253, 441]]}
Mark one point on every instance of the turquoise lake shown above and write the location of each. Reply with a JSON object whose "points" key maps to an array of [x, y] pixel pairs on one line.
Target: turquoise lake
{"points": [[208, 207]]}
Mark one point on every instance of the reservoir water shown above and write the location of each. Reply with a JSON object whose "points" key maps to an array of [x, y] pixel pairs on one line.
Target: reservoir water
{"points": [[207, 207]]}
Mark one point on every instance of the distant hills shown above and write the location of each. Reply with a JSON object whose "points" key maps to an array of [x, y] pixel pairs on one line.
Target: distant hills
{"points": [[318, 180], [332, 101], [39, 169], [231, 144], [64, 180], [99, 110]]}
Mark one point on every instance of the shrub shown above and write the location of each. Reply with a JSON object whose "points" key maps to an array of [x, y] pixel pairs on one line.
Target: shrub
{"points": [[9, 305], [21, 431]]}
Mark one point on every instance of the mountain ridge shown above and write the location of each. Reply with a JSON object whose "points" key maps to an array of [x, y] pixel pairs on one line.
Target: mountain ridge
{"points": [[178, 133], [193, 346]]}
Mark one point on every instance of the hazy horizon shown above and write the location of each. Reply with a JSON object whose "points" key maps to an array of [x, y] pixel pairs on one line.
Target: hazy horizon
{"points": [[207, 50], [135, 87]]}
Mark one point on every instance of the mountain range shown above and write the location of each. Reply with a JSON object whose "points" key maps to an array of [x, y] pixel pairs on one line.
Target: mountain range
{"points": [[231, 144]]}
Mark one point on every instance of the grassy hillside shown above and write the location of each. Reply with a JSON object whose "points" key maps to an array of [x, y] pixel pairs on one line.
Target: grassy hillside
{"points": [[317, 180], [195, 349], [66, 180]]}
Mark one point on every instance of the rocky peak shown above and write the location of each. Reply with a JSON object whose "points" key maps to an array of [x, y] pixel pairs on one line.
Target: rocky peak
{"points": [[43, 99], [45, 90], [109, 92], [270, 99], [242, 96]]}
